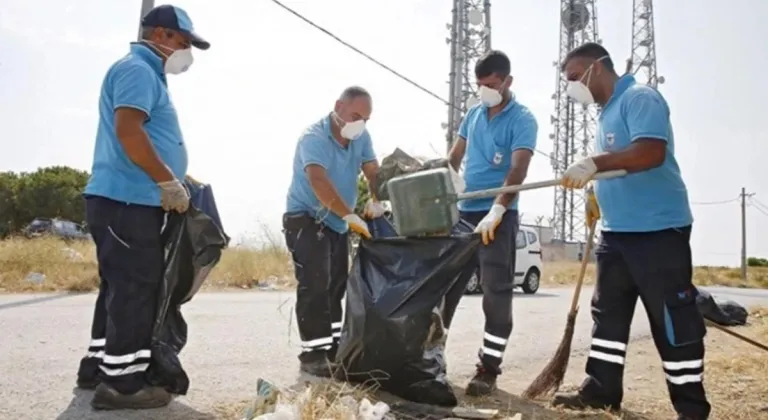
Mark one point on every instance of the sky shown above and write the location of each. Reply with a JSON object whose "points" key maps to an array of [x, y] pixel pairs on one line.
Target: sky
{"points": [[268, 75]]}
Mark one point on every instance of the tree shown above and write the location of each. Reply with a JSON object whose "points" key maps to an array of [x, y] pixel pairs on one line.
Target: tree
{"points": [[362, 194], [52, 192], [8, 218]]}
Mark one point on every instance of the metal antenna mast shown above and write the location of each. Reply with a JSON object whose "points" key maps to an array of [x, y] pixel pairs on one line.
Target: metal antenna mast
{"points": [[574, 124], [470, 38], [643, 61]]}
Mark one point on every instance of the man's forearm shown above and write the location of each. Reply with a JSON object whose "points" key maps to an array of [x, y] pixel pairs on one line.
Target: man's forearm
{"points": [[631, 160], [515, 176], [372, 187], [329, 197], [140, 151]]}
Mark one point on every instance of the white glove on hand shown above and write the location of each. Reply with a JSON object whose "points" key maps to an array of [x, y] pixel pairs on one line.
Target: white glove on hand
{"points": [[579, 173], [458, 181], [373, 209], [490, 222], [173, 196], [356, 224]]}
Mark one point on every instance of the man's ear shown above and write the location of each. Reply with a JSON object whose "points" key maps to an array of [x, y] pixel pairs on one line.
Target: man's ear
{"points": [[337, 107]]}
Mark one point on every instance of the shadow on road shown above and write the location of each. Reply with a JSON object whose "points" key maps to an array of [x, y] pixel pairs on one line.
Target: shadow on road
{"points": [[80, 409], [40, 299]]}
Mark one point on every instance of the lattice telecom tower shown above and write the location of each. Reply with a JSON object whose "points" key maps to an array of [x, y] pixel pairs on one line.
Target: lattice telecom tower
{"points": [[470, 38], [643, 61], [574, 124]]}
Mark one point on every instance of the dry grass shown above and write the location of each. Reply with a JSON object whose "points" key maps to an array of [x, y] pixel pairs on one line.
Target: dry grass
{"points": [[318, 399], [72, 267], [558, 273]]}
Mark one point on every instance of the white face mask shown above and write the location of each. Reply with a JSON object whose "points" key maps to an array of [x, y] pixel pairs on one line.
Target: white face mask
{"points": [[350, 130], [490, 97], [178, 61], [578, 90]]}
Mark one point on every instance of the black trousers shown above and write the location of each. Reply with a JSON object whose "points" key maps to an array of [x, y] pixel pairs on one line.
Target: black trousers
{"points": [[496, 264], [321, 263], [130, 254], [657, 267]]}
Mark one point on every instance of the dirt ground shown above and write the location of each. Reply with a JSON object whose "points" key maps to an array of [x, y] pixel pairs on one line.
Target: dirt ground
{"points": [[735, 379], [735, 376]]}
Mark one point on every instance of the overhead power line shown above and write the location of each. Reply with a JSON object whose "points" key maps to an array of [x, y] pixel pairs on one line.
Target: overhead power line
{"points": [[757, 205], [373, 60], [353, 48], [707, 203]]}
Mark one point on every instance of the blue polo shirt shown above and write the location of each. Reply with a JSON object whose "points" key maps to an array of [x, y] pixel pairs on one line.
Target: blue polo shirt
{"points": [[317, 146], [645, 201], [490, 143], [135, 81]]}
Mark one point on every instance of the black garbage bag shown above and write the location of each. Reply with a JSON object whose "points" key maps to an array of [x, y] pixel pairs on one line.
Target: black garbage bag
{"points": [[727, 313], [201, 196], [193, 245], [393, 331]]}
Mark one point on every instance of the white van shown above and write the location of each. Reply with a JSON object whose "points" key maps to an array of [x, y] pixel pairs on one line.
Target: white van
{"points": [[527, 264]]}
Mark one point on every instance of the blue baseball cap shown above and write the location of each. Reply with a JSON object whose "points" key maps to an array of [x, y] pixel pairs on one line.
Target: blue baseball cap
{"points": [[172, 17]]}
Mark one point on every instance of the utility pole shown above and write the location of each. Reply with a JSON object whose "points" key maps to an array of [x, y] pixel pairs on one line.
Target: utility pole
{"points": [[744, 197], [146, 6]]}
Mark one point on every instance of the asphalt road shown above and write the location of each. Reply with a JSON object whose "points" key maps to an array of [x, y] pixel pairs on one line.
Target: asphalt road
{"points": [[237, 337]]}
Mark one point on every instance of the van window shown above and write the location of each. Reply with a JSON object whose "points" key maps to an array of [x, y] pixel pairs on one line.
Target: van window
{"points": [[520, 240], [531, 238]]}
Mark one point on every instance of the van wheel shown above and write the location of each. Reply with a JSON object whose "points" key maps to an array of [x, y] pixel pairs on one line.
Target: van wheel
{"points": [[532, 281], [473, 286]]}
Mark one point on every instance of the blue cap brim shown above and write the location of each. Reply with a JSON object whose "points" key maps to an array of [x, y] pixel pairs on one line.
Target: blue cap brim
{"points": [[197, 41]]}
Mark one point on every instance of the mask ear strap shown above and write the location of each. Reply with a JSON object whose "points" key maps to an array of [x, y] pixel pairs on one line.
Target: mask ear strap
{"points": [[337, 119]]}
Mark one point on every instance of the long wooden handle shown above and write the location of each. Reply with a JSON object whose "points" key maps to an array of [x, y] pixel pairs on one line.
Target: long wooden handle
{"points": [[583, 269], [531, 186], [737, 335]]}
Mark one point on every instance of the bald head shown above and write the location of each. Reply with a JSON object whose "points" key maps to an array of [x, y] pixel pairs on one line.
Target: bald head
{"points": [[354, 104]]}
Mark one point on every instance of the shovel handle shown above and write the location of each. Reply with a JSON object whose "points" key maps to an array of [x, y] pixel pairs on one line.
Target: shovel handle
{"points": [[531, 186]]}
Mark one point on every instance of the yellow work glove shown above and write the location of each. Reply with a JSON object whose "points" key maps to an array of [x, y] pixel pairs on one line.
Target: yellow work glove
{"points": [[592, 210], [358, 225], [490, 222]]}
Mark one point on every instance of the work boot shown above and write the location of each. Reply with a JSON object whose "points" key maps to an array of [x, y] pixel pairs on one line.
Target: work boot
{"points": [[87, 383], [107, 398], [576, 401], [316, 364], [482, 384]]}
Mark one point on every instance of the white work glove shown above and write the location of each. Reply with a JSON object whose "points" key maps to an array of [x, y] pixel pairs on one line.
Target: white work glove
{"points": [[579, 173], [373, 209], [490, 222], [173, 196], [458, 181], [356, 224]]}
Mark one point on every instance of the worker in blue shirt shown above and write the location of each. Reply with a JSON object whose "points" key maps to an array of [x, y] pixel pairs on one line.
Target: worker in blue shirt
{"points": [[644, 250], [139, 163], [496, 142], [319, 214]]}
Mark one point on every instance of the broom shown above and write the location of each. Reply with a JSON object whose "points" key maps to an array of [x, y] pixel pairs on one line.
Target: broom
{"points": [[550, 379], [737, 335]]}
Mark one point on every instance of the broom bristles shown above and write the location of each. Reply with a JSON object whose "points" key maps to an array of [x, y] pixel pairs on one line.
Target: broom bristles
{"points": [[550, 379]]}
